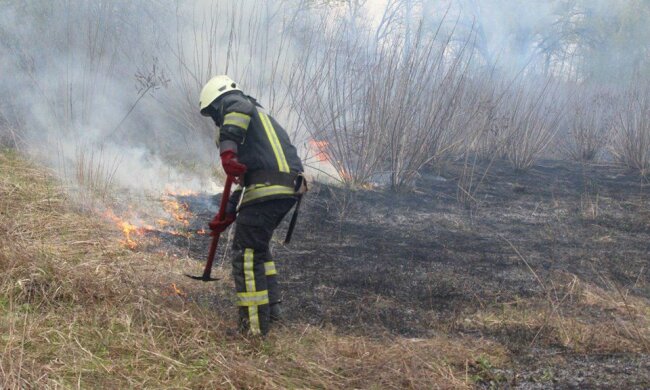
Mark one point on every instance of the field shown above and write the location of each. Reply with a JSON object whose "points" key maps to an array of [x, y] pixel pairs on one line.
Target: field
{"points": [[549, 264], [539, 281], [482, 219]]}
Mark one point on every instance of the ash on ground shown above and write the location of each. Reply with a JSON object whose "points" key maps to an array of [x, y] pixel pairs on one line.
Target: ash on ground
{"points": [[422, 262]]}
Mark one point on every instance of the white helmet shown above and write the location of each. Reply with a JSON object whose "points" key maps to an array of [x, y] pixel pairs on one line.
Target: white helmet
{"points": [[217, 86]]}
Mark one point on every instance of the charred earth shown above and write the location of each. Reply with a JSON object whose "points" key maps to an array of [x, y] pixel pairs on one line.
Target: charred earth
{"points": [[551, 263]]}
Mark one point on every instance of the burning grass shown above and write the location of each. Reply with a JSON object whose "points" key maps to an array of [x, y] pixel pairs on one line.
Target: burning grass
{"points": [[78, 309]]}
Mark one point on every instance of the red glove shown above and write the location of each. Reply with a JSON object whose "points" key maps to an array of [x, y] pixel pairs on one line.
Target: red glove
{"points": [[231, 165], [218, 226]]}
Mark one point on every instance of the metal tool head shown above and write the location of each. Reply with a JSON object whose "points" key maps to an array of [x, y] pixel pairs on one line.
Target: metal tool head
{"points": [[202, 278]]}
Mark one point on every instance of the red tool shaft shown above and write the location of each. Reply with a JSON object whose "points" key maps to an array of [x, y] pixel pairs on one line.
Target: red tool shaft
{"points": [[215, 238]]}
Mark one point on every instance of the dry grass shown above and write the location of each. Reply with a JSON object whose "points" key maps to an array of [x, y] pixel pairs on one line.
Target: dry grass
{"points": [[578, 318], [77, 310]]}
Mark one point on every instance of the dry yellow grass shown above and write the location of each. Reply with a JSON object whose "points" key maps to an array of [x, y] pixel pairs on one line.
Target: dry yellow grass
{"points": [[578, 317], [77, 310]]}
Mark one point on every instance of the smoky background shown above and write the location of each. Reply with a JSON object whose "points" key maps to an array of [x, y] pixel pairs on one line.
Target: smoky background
{"points": [[106, 93]]}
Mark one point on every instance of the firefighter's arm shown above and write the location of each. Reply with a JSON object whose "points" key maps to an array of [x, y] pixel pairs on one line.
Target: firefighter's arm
{"points": [[221, 222], [237, 114]]}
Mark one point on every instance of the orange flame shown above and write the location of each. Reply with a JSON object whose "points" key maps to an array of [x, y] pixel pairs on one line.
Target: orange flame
{"points": [[130, 230], [174, 290], [320, 150], [176, 192], [162, 222], [179, 211], [178, 214]]}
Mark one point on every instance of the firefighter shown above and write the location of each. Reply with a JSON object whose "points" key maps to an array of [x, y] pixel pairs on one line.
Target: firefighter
{"points": [[257, 151]]}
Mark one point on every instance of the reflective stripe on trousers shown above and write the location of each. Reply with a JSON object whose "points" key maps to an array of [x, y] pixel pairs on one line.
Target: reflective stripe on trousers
{"points": [[253, 265], [269, 268], [252, 298]]}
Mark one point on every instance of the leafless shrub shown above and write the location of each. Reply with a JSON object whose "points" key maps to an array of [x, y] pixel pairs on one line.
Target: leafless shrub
{"points": [[512, 118], [10, 137], [590, 118], [534, 111], [147, 81], [483, 119], [249, 42], [631, 146], [482, 124], [384, 109], [335, 98], [423, 123]]}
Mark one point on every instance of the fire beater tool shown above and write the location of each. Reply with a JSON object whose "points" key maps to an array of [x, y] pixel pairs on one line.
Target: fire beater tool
{"points": [[215, 238]]}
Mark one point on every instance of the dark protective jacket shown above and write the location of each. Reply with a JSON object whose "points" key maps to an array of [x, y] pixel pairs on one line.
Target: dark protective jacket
{"points": [[261, 144]]}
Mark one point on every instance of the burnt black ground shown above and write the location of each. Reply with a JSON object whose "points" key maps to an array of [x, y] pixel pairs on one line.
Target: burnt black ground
{"points": [[415, 263]]}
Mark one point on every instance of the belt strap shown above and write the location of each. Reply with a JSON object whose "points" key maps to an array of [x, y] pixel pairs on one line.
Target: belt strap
{"points": [[270, 177]]}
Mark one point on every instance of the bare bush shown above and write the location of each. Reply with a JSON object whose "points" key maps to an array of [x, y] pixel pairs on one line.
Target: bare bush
{"points": [[335, 100], [590, 119], [485, 115], [249, 42], [534, 112], [385, 109], [422, 120], [631, 146], [476, 120]]}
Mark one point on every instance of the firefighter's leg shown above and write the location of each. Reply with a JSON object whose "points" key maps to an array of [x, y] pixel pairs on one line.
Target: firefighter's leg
{"points": [[274, 291], [252, 293], [251, 244], [255, 226], [281, 208]]}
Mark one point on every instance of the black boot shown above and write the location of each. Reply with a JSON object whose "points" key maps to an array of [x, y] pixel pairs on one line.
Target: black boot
{"points": [[276, 312]]}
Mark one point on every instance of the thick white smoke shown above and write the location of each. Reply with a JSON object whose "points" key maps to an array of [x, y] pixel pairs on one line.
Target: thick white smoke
{"points": [[120, 79]]}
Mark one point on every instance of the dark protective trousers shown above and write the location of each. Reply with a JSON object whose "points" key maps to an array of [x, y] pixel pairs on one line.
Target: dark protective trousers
{"points": [[252, 264]]}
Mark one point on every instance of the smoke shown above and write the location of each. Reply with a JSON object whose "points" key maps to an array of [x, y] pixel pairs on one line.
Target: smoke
{"points": [[119, 80], [86, 80]]}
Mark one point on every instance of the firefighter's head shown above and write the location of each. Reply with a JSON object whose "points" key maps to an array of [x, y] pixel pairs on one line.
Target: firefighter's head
{"points": [[213, 90]]}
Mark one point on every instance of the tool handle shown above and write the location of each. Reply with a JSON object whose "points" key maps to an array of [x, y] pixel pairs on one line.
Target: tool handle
{"points": [[213, 250], [292, 224], [225, 197]]}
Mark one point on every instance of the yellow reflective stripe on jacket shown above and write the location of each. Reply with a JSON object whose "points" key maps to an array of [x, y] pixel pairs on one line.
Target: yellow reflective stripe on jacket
{"points": [[237, 119], [249, 279], [256, 192], [253, 298], [283, 166], [269, 268]]}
